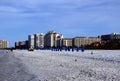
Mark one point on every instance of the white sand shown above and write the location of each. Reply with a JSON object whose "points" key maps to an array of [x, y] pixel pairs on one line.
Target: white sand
{"points": [[12, 69], [63, 66]]}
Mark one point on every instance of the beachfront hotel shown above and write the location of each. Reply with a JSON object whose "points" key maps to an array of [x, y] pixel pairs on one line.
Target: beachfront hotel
{"points": [[52, 38], [3, 44], [79, 41], [67, 42], [36, 41], [31, 41], [60, 40], [39, 40]]}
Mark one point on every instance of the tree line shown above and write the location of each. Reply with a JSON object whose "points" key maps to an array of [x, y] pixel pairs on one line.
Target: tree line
{"points": [[111, 44]]}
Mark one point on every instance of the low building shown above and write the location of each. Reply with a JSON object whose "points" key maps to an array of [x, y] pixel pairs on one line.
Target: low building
{"points": [[111, 36], [78, 41], [67, 42], [3, 44], [82, 41], [21, 45]]}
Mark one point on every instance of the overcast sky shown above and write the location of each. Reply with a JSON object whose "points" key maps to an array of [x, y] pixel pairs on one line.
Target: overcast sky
{"points": [[19, 18]]}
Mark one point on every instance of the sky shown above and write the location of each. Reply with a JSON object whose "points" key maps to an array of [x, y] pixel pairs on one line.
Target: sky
{"points": [[20, 18]]}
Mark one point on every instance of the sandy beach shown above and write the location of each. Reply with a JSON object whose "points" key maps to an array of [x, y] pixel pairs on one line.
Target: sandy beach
{"points": [[12, 69], [45, 65]]}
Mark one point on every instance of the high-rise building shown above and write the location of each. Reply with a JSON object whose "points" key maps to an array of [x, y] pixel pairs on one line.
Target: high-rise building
{"points": [[50, 39], [31, 41], [3, 44], [39, 40], [36, 40], [17, 44], [59, 40]]}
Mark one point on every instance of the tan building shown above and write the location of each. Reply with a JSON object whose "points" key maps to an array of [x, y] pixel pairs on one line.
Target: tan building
{"points": [[67, 42], [50, 39], [79, 41], [3, 44]]}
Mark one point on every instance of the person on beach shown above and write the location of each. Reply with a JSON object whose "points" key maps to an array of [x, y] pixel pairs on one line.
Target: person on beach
{"points": [[11, 50], [91, 52]]}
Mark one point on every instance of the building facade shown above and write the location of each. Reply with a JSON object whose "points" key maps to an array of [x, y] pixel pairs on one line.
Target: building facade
{"points": [[111, 36], [60, 40], [51, 39], [39, 40], [67, 42], [31, 41], [36, 41], [82, 41], [3, 44], [21, 45]]}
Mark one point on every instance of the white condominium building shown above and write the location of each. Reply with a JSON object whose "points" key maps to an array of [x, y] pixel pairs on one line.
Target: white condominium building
{"points": [[36, 40]]}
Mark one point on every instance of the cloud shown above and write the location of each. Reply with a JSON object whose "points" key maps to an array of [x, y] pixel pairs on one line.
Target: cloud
{"points": [[70, 17], [9, 9], [54, 6], [62, 12]]}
